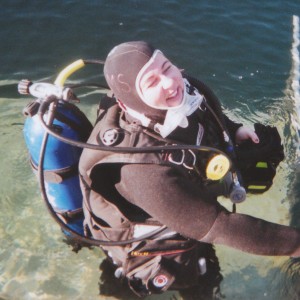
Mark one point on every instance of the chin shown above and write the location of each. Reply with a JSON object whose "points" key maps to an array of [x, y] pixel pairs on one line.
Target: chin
{"points": [[175, 102]]}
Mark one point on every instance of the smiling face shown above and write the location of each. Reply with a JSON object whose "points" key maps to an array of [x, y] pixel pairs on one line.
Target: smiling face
{"points": [[159, 83]]}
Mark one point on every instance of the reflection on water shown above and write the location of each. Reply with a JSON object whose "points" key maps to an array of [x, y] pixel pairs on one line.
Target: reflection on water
{"points": [[290, 281], [290, 269]]}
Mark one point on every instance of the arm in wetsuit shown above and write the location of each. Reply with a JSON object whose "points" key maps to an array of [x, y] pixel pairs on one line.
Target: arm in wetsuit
{"points": [[184, 206]]}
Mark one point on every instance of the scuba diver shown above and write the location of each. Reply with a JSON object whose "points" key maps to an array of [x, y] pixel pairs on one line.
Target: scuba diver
{"points": [[127, 195]]}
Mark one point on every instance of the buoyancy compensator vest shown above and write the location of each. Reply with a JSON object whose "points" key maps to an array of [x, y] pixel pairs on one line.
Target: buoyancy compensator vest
{"points": [[152, 265], [110, 217]]}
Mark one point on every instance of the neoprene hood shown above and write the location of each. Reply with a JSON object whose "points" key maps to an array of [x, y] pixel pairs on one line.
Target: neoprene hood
{"points": [[121, 68]]}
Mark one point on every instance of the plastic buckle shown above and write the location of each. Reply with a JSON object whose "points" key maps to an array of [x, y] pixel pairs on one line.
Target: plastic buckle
{"points": [[170, 158], [194, 161], [183, 160]]}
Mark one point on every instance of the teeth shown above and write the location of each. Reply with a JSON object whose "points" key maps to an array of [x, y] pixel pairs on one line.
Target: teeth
{"points": [[173, 94]]}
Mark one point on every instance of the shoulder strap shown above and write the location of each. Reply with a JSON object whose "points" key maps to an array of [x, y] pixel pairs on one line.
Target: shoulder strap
{"points": [[214, 102]]}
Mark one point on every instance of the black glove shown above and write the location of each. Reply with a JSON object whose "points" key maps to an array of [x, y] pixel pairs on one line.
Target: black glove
{"points": [[257, 163], [268, 149]]}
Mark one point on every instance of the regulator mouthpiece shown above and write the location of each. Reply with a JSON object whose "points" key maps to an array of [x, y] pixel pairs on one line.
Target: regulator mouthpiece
{"points": [[42, 90]]}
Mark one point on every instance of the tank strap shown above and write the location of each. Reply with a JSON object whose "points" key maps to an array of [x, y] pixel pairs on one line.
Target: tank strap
{"points": [[57, 175], [70, 215]]}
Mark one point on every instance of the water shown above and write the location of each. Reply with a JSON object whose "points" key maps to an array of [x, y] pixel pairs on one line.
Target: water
{"points": [[242, 49]]}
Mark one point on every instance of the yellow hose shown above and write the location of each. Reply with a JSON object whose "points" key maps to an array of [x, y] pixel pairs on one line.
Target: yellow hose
{"points": [[67, 71]]}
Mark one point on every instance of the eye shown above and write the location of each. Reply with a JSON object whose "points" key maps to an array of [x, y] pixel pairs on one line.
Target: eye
{"points": [[167, 68], [151, 81]]}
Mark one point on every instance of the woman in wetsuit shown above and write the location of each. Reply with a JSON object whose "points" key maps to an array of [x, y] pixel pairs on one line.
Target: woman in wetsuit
{"points": [[158, 105]]}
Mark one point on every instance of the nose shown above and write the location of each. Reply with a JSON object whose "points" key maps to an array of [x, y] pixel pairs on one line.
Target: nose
{"points": [[166, 81]]}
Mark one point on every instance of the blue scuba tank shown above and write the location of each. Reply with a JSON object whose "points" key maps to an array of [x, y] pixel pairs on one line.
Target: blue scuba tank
{"points": [[61, 160]]}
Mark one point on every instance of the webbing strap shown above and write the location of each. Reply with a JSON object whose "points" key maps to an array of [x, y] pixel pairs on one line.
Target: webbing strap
{"points": [[57, 175]]}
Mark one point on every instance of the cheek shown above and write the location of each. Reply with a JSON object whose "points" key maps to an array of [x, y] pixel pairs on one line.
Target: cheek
{"points": [[153, 97], [179, 79]]}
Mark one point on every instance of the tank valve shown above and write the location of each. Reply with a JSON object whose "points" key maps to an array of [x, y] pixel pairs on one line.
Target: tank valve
{"points": [[42, 90]]}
